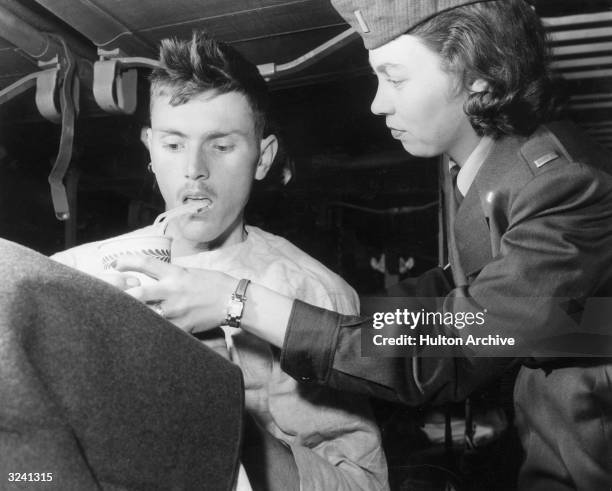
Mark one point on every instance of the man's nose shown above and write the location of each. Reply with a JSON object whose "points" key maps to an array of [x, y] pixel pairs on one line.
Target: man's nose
{"points": [[196, 166], [381, 105]]}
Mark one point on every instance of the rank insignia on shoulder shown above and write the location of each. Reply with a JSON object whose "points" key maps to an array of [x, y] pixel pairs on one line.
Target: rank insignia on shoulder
{"points": [[545, 159], [361, 21]]}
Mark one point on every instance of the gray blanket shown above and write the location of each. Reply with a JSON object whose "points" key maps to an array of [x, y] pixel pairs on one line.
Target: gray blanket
{"points": [[104, 394]]}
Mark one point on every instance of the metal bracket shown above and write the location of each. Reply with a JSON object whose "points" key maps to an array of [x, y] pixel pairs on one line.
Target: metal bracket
{"points": [[115, 80], [48, 89], [114, 89], [47, 85]]}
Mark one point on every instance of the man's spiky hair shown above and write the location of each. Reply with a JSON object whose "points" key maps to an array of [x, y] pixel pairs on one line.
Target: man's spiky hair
{"points": [[200, 65]]}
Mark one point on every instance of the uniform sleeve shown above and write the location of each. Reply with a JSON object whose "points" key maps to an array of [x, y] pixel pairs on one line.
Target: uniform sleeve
{"points": [[558, 246]]}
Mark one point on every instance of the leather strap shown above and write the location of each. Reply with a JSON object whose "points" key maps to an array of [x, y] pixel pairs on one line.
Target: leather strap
{"points": [[64, 155]]}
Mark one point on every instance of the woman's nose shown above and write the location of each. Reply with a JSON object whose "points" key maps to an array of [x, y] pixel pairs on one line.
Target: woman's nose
{"points": [[381, 104]]}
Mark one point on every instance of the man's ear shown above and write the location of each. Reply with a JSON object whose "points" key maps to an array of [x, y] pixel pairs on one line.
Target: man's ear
{"points": [[479, 85], [145, 137], [267, 152]]}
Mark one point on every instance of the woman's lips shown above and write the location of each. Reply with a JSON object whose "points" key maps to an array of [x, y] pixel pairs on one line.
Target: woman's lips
{"points": [[396, 133]]}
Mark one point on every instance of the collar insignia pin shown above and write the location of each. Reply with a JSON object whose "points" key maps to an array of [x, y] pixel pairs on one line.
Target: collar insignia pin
{"points": [[361, 20]]}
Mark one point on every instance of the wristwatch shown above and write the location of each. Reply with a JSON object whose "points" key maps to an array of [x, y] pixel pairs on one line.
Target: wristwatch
{"points": [[236, 304]]}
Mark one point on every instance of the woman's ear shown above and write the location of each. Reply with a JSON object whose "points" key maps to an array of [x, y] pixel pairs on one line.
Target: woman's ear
{"points": [[267, 152]]}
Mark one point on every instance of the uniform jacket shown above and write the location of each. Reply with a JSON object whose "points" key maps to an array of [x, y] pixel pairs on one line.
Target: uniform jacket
{"points": [[534, 227], [536, 224]]}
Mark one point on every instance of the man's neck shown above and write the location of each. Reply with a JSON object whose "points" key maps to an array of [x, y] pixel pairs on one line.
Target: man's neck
{"points": [[182, 246]]}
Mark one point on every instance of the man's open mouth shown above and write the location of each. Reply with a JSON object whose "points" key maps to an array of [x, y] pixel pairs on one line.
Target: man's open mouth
{"points": [[204, 202]]}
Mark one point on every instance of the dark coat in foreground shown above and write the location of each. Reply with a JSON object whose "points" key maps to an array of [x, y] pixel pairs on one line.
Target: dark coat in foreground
{"points": [[102, 393]]}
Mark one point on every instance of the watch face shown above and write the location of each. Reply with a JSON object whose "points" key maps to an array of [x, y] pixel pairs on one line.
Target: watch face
{"points": [[234, 309]]}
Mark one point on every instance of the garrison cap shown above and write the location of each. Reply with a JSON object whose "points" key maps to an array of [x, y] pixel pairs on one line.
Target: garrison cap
{"points": [[381, 21]]}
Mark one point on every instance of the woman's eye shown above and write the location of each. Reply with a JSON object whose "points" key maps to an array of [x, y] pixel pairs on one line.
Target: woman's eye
{"points": [[395, 82]]}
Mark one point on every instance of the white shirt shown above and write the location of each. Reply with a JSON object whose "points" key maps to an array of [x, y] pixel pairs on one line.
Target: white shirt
{"points": [[333, 437], [472, 165]]}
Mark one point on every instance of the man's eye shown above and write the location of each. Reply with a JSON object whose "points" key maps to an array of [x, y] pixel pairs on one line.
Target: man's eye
{"points": [[173, 147], [223, 148], [395, 82]]}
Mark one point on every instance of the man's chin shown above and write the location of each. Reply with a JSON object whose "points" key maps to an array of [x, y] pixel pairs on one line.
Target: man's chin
{"points": [[204, 236], [200, 236], [197, 231]]}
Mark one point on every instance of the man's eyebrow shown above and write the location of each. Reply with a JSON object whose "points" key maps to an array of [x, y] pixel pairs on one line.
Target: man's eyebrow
{"points": [[208, 136], [168, 131], [223, 133]]}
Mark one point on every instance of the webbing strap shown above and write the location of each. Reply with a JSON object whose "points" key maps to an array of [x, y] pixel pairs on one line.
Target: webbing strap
{"points": [[68, 91]]}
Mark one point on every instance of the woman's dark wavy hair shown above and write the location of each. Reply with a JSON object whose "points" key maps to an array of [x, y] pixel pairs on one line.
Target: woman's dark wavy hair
{"points": [[503, 43], [201, 64]]}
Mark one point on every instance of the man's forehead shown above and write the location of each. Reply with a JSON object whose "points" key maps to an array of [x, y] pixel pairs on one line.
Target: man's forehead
{"points": [[207, 113], [168, 128], [176, 97]]}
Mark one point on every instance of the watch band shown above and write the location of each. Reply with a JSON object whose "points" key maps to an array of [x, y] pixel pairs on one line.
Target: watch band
{"points": [[236, 304]]}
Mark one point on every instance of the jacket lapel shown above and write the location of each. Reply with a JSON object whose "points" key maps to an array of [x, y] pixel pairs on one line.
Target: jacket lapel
{"points": [[480, 220], [472, 234]]}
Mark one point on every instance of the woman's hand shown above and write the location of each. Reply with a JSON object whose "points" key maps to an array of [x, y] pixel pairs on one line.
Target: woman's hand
{"points": [[196, 299], [123, 281], [193, 299]]}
